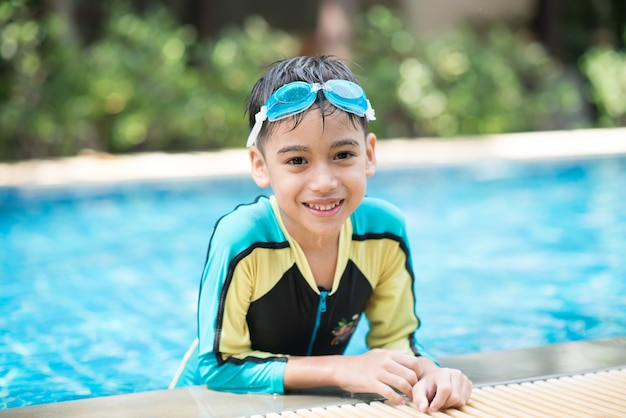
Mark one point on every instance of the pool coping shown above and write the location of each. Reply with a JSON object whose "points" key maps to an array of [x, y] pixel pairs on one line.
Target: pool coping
{"points": [[485, 369], [97, 168]]}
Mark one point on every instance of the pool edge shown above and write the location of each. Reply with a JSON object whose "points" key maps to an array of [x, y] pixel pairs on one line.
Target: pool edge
{"points": [[95, 167], [487, 368]]}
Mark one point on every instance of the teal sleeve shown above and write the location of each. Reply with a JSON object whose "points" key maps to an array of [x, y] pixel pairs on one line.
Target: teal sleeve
{"points": [[247, 377], [423, 353], [379, 216], [231, 238]]}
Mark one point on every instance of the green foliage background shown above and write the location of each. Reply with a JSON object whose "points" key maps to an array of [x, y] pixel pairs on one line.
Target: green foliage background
{"points": [[148, 83]]}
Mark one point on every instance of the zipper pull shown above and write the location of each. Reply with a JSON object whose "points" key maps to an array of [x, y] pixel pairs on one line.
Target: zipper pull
{"points": [[323, 294]]}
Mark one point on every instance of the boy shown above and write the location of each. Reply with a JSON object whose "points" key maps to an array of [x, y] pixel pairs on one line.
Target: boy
{"points": [[287, 278]]}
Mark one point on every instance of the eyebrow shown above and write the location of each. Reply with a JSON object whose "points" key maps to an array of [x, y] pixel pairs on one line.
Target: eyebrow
{"points": [[339, 144], [346, 142], [293, 148]]}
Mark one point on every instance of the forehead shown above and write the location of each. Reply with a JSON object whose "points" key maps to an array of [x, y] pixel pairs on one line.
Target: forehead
{"points": [[313, 131], [315, 122], [326, 116]]}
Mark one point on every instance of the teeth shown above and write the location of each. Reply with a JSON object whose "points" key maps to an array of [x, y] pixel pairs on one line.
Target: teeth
{"points": [[324, 207]]}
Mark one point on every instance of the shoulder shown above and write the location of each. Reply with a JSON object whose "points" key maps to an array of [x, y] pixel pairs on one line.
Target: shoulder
{"points": [[378, 216], [247, 224], [372, 205]]}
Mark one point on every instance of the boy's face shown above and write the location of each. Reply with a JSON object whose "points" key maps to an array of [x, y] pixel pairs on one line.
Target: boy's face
{"points": [[318, 172]]}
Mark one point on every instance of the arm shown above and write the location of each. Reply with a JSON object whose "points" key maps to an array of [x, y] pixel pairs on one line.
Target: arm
{"points": [[246, 377], [226, 360], [393, 326], [376, 371], [389, 373], [431, 386]]}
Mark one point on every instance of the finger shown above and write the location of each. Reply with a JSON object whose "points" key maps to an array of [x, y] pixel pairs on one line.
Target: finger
{"points": [[451, 392], [467, 390], [399, 383], [409, 361], [461, 390], [422, 395], [402, 370], [444, 396], [387, 392]]}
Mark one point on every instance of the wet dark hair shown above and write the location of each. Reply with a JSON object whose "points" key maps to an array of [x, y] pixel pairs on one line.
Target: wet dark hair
{"points": [[317, 69]]}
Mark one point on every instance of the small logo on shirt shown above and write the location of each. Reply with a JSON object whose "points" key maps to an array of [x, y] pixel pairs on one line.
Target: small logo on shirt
{"points": [[344, 330]]}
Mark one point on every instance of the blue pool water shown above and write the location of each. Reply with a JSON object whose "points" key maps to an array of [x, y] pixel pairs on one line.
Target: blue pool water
{"points": [[98, 285]]}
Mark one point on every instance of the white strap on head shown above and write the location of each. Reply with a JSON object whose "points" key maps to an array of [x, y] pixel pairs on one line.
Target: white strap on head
{"points": [[369, 113], [259, 118]]}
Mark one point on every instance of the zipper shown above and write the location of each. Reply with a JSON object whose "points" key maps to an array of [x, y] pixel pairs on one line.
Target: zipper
{"points": [[321, 308]]}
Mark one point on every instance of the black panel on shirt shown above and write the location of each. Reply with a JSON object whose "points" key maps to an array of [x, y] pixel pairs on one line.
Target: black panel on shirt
{"points": [[282, 320]]}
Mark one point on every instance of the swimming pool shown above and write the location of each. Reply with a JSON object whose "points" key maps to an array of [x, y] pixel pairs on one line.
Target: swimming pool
{"points": [[99, 285]]}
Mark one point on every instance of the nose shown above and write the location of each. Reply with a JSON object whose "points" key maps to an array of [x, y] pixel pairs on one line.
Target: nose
{"points": [[323, 178]]}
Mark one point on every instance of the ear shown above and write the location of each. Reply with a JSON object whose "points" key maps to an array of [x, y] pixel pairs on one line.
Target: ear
{"points": [[259, 168], [370, 154]]}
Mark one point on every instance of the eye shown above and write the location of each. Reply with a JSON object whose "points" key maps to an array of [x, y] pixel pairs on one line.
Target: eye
{"points": [[344, 155], [296, 161]]}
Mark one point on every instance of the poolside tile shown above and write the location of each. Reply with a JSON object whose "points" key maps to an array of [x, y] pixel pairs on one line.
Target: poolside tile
{"points": [[555, 359]]}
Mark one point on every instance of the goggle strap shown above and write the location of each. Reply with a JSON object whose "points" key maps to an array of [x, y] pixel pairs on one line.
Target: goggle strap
{"points": [[370, 114], [259, 118]]}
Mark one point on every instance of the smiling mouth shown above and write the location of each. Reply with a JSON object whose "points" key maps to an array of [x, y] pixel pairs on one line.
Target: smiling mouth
{"points": [[324, 207]]}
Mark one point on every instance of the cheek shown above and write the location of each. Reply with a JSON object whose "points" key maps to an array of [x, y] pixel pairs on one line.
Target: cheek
{"points": [[357, 183], [284, 185]]}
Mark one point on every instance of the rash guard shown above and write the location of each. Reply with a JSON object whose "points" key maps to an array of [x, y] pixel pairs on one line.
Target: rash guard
{"points": [[259, 302]]}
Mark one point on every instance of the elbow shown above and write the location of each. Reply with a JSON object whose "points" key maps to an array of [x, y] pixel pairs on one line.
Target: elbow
{"points": [[252, 377]]}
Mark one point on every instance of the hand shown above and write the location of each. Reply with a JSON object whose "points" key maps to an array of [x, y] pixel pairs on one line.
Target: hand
{"points": [[441, 388], [380, 371]]}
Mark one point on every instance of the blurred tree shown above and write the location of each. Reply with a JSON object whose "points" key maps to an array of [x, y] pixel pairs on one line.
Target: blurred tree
{"points": [[334, 32], [324, 26], [211, 16], [137, 76], [605, 68], [569, 28], [582, 34]]}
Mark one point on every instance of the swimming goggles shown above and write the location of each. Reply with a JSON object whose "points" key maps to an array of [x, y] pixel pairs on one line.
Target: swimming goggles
{"points": [[298, 96]]}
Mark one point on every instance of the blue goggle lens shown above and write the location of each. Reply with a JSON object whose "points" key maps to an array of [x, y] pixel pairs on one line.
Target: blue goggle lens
{"points": [[345, 89], [290, 99], [347, 96], [293, 92]]}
